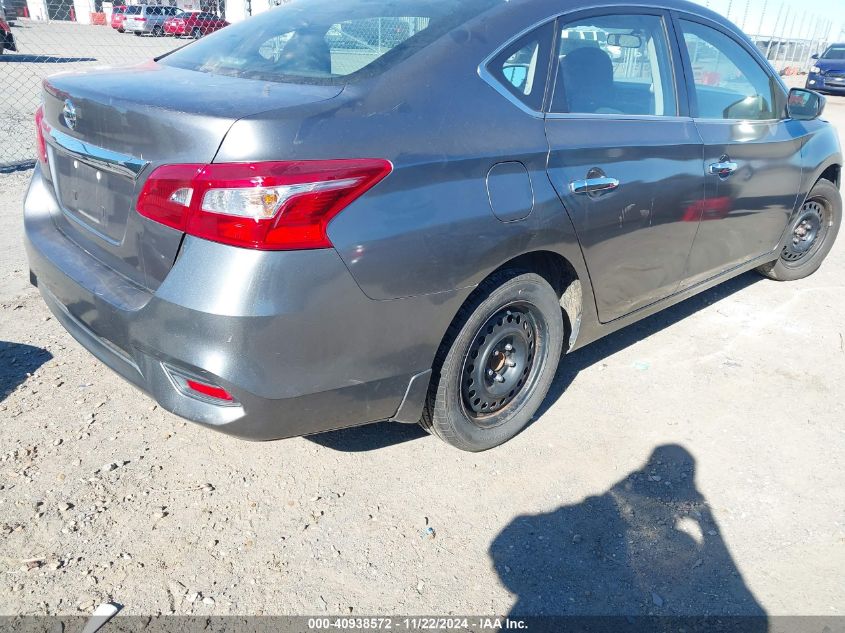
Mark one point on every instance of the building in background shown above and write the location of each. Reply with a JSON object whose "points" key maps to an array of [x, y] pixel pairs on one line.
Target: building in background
{"points": [[237, 10]]}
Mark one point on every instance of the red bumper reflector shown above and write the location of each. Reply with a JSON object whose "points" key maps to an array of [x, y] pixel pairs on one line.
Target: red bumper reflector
{"points": [[209, 390]]}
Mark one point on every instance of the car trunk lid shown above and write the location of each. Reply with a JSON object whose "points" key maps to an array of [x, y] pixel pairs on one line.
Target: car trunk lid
{"points": [[109, 129]]}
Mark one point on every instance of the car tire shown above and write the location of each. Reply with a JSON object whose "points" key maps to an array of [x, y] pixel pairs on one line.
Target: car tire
{"points": [[482, 393], [157, 31], [121, 30], [810, 236], [196, 33], [138, 33]]}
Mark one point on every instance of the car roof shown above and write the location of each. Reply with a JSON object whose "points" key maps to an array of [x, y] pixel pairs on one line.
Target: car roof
{"points": [[519, 15]]}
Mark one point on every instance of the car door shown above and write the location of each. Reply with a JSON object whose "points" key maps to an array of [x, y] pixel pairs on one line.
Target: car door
{"points": [[625, 158], [752, 154]]}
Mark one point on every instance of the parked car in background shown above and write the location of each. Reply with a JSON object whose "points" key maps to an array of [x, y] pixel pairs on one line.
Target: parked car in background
{"points": [[7, 15], [193, 23], [828, 72], [118, 13], [274, 234], [147, 19], [7, 39]]}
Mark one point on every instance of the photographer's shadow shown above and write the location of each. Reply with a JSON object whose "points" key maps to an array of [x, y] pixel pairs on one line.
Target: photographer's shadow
{"points": [[649, 546], [17, 362]]}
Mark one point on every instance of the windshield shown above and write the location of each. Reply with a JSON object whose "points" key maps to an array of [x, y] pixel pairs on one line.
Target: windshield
{"points": [[835, 52], [325, 41]]}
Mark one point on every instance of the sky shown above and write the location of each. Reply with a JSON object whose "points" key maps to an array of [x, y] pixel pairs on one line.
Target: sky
{"points": [[798, 18]]}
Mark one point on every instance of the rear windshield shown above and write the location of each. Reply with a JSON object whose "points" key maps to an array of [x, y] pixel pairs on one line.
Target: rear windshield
{"points": [[325, 41], [835, 52], [133, 10]]}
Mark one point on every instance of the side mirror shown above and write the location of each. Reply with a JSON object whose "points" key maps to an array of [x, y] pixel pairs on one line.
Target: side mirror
{"points": [[815, 56], [805, 105]]}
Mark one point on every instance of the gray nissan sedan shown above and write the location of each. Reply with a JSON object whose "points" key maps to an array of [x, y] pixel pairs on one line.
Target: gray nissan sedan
{"points": [[336, 213]]}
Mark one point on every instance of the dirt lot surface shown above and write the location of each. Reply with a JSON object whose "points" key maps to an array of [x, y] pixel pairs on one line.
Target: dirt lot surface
{"points": [[691, 464]]}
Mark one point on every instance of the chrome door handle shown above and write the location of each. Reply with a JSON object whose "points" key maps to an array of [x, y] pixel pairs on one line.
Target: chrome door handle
{"points": [[593, 185], [724, 169]]}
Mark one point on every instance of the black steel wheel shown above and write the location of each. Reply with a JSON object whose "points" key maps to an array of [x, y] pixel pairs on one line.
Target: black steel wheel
{"points": [[810, 236], [496, 363], [808, 232]]}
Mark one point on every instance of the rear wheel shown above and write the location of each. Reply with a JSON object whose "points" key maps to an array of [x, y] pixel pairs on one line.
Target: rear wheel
{"points": [[196, 33], [496, 363], [158, 31], [138, 33], [811, 235]]}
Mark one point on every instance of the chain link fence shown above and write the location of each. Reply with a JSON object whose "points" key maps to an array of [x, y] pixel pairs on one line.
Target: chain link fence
{"points": [[44, 37], [67, 35], [45, 47]]}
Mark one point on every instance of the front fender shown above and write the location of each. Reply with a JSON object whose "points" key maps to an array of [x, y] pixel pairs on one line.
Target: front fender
{"points": [[821, 152]]}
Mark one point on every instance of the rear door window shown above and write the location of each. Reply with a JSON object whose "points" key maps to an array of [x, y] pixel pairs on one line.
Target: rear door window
{"points": [[325, 41], [615, 64]]}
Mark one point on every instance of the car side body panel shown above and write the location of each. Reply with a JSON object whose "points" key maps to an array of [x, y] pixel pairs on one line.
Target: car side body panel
{"points": [[820, 152]]}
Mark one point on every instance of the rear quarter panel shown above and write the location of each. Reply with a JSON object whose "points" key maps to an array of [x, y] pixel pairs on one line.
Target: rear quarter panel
{"points": [[428, 227]]}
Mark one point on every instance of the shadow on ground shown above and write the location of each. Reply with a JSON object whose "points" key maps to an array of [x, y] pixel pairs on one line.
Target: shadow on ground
{"points": [[572, 364], [648, 547], [17, 362], [371, 437]]}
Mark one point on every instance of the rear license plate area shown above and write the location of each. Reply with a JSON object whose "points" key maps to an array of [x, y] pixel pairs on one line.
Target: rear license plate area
{"points": [[94, 197]]}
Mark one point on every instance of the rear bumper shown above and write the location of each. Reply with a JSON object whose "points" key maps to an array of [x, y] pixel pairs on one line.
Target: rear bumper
{"points": [[288, 334]]}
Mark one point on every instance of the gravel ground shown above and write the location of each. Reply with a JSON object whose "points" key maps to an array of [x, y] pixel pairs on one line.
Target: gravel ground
{"points": [[694, 465]]}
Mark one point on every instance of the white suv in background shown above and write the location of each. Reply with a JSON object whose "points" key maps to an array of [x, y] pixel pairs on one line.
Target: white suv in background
{"points": [[148, 19]]}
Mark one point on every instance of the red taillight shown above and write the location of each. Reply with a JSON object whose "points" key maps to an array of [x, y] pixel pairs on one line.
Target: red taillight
{"points": [[41, 126], [159, 199], [267, 206]]}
